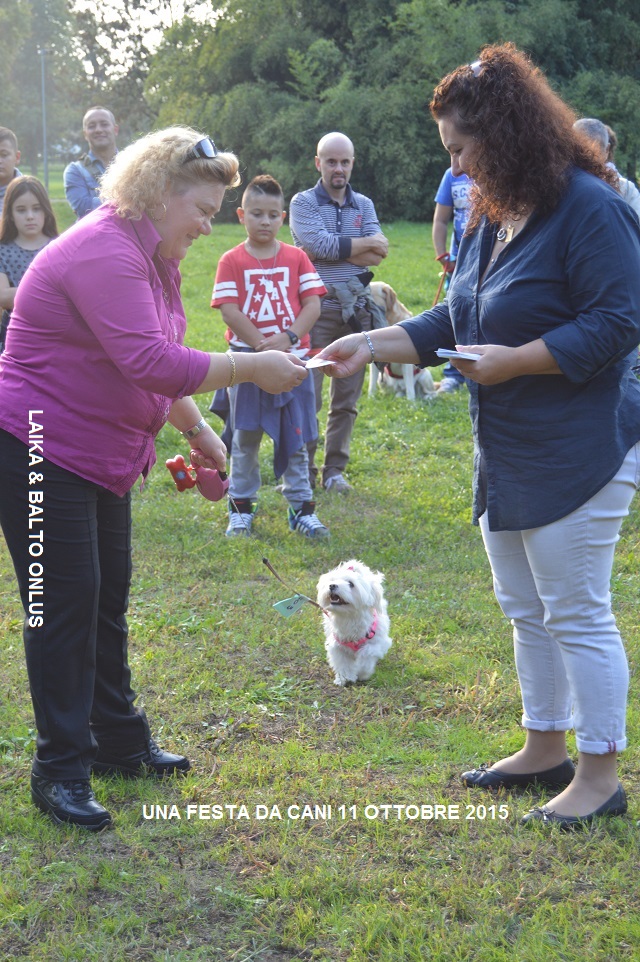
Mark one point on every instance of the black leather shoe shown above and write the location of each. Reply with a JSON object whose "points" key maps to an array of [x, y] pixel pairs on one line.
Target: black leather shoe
{"points": [[149, 760], [69, 802], [616, 805], [483, 777]]}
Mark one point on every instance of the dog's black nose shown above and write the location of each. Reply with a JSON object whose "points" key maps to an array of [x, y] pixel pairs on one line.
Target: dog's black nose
{"points": [[332, 588]]}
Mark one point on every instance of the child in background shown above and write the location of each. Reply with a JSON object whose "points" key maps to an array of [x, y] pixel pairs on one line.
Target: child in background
{"points": [[269, 296], [28, 224], [452, 202]]}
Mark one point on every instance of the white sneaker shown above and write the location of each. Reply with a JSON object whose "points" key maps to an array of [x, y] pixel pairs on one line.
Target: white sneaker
{"points": [[448, 385], [338, 483], [239, 521], [305, 522]]}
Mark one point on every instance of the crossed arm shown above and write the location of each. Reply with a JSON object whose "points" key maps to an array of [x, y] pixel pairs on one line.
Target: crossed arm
{"points": [[319, 243]]}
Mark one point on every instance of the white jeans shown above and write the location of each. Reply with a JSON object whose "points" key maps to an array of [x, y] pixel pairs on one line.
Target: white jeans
{"points": [[553, 583]]}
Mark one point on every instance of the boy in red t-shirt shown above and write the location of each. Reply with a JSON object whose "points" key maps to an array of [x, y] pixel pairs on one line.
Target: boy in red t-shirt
{"points": [[269, 296]]}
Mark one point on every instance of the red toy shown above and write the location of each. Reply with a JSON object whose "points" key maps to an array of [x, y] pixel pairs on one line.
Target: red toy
{"points": [[211, 484]]}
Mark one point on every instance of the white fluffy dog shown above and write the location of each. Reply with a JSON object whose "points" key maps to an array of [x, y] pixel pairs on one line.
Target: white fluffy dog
{"points": [[356, 623]]}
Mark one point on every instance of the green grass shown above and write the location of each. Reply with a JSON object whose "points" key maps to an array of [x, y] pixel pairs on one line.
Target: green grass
{"points": [[248, 695]]}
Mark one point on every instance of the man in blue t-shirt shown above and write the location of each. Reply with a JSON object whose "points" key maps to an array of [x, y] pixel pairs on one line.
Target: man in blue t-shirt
{"points": [[452, 201]]}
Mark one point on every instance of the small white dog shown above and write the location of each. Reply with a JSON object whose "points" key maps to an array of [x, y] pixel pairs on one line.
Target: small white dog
{"points": [[356, 624], [406, 379]]}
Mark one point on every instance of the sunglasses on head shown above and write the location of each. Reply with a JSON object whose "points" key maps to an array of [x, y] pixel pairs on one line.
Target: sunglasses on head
{"points": [[205, 149]]}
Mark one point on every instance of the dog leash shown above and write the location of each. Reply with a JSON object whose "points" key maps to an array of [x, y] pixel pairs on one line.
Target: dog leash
{"points": [[440, 286], [290, 605]]}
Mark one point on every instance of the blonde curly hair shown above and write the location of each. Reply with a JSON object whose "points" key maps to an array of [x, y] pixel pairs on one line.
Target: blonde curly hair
{"points": [[143, 173]]}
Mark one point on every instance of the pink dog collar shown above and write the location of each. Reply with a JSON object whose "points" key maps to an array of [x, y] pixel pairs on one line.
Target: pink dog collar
{"points": [[357, 645]]}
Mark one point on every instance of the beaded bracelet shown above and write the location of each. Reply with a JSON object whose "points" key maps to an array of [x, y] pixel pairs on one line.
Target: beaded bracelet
{"points": [[232, 362], [370, 344]]}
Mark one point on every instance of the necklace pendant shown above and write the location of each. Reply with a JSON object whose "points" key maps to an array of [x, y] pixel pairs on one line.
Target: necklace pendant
{"points": [[505, 234], [256, 258]]}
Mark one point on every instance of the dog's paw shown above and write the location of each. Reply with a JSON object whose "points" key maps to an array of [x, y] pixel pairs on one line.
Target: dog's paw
{"points": [[339, 680]]}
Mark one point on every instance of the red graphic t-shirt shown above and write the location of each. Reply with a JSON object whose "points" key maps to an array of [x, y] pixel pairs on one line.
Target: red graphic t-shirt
{"points": [[269, 293]]}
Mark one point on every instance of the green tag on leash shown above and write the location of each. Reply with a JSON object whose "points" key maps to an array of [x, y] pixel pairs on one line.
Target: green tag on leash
{"points": [[289, 606]]}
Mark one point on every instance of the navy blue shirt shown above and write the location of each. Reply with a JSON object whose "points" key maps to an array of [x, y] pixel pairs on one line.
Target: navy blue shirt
{"points": [[545, 444]]}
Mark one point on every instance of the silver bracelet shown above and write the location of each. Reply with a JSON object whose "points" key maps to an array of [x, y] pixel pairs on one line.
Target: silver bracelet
{"points": [[195, 430], [370, 343]]}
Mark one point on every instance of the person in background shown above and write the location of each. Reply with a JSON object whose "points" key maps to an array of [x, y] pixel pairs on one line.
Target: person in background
{"points": [[28, 224], [605, 141], [339, 230], [82, 177], [94, 366], [552, 314], [627, 188], [9, 159], [269, 296], [452, 203]]}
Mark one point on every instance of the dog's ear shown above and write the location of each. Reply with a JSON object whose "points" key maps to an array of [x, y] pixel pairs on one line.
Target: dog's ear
{"points": [[370, 586], [391, 298], [322, 586], [377, 581]]}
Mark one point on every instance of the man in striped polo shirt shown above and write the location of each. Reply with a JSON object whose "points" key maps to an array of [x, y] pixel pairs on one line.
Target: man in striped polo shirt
{"points": [[339, 230]]}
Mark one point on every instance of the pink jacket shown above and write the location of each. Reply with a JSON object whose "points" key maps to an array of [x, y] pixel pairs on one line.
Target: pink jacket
{"points": [[95, 347]]}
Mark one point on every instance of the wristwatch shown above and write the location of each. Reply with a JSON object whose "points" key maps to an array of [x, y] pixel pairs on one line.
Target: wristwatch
{"points": [[195, 430], [293, 337]]}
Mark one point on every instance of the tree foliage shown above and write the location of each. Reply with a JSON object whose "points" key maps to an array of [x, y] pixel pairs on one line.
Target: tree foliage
{"points": [[27, 27], [268, 79], [94, 54]]}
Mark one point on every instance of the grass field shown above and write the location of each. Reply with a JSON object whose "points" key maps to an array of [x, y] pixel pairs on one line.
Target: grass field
{"points": [[365, 872]]}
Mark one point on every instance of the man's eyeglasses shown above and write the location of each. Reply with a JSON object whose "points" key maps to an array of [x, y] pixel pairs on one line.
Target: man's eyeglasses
{"points": [[205, 149]]}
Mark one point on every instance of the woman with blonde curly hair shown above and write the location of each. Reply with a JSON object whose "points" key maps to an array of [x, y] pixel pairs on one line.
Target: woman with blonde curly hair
{"points": [[94, 366], [544, 298]]}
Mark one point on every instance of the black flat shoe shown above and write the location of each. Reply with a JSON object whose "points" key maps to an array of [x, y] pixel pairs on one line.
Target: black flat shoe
{"points": [[483, 777], [616, 805], [149, 760], [70, 802]]}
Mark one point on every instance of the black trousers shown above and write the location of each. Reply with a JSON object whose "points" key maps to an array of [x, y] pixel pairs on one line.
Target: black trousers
{"points": [[70, 541]]}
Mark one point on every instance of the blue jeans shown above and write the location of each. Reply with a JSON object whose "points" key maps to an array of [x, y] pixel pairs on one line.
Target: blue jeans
{"points": [[452, 372], [553, 583], [245, 466]]}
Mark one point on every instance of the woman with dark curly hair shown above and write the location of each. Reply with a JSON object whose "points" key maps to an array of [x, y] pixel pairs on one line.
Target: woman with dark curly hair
{"points": [[543, 295]]}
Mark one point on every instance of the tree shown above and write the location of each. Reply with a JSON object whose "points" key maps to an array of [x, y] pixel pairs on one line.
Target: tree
{"points": [[45, 25], [116, 41], [15, 24], [269, 78]]}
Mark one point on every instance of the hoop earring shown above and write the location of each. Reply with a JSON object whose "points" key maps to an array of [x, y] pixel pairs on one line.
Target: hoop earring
{"points": [[153, 215]]}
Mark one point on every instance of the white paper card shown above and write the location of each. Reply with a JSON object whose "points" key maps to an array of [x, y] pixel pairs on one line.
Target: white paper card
{"points": [[461, 355], [318, 362]]}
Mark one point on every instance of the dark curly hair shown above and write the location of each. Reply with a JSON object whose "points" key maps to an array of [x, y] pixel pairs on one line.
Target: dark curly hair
{"points": [[526, 143]]}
